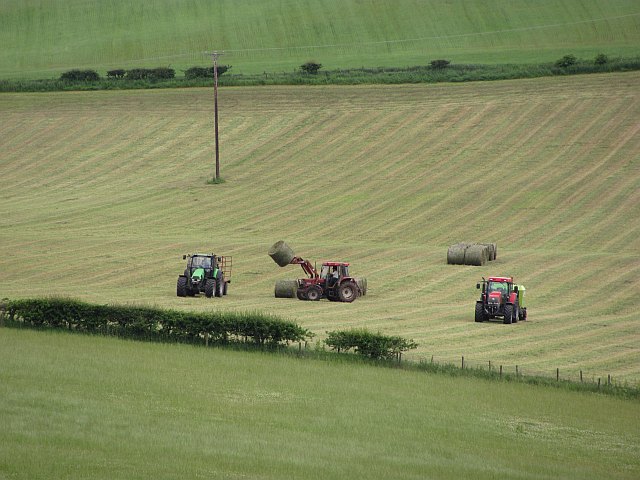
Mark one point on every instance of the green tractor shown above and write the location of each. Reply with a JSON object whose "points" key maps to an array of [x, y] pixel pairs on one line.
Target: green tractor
{"points": [[205, 273]]}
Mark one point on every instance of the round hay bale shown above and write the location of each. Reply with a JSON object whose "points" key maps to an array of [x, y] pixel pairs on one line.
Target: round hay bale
{"points": [[476, 255], [362, 283], [281, 253], [286, 288], [493, 248], [456, 253]]}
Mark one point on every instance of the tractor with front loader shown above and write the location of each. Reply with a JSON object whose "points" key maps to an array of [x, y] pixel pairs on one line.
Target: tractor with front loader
{"points": [[333, 281], [500, 297], [205, 273]]}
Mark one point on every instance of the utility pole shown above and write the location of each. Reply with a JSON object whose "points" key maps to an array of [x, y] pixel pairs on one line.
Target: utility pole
{"points": [[215, 56]]}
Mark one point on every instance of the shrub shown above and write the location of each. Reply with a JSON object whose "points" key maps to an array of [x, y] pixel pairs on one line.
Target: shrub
{"points": [[162, 73], [439, 64], [159, 73], [152, 323], [138, 74], [118, 73], [372, 345], [566, 61], [80, 76], [204, 72], [601, 59], [311, 67]]}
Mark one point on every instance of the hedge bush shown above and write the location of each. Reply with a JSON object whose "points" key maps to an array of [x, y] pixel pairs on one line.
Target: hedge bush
{"points": [[204, 72], [159, 73], [80, 76], [152, 323], [117, 73], [439, 64], [372, 345]]}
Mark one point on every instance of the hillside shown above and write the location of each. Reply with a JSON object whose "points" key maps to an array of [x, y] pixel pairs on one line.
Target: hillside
{"points": [[103, 192], [40, 39], [76, 406]]}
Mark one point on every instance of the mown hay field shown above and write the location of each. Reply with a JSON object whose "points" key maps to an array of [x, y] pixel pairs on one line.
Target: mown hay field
{"points": [[102, 193], [42, 39]]}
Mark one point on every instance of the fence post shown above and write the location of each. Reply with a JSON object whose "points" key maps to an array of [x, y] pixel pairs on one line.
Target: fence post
{"points": [[557, 374], [609, 380], [463, 362], [580, 376], [516, 370], [431, 358], [489, 365], [500, 371]]}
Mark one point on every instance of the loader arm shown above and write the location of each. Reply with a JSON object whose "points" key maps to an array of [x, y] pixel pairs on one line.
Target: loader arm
{"points": [[306, 266]]}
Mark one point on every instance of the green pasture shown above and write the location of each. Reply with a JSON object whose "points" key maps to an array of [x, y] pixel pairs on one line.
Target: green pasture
{"points": [[76, 406], [42, 38], [103, 192]]}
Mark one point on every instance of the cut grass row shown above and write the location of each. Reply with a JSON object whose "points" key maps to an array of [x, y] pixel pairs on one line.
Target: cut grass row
{"points": [[105, 191], [104, 408]]}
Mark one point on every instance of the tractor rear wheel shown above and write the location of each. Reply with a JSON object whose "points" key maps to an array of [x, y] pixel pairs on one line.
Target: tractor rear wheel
{"points": [[480, 312], [209, 288], [181, 288], [348, 292], [508, 314], [219, 288], [314, 293], [516, 313]]}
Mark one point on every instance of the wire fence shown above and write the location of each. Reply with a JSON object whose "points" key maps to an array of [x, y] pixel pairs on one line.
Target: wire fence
{"points": [[558, 374]]}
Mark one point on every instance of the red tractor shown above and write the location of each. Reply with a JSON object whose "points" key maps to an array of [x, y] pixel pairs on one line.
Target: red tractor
{"points": [[500, 297], [333, 282]]}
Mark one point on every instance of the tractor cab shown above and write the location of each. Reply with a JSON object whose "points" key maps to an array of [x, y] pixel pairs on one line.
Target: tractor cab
{"points": [[332, 272], [498, 290], [200, 266]]}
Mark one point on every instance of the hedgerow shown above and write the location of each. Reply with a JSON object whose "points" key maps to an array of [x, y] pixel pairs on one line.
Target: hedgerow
{"points": [[372, 345], [203, 76], [152, 323]]}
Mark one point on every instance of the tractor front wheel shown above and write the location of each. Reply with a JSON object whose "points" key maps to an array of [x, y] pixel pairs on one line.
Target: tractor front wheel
{"points": [[508, 314], [348, 292], [314, 293], [209, 288], [181, 288], [301, 294], [480, 312]]}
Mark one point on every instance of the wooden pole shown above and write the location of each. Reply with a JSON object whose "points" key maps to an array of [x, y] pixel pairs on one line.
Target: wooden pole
{"points": [[215, 110]]}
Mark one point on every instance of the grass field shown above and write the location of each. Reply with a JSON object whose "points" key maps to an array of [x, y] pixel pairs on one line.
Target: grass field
{"points": [[87, 407], [40, 39], [103, 192]]}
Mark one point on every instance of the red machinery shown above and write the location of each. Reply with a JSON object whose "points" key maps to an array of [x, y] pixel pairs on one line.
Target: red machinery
{"points": [[333, 282], [500, 298]]}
